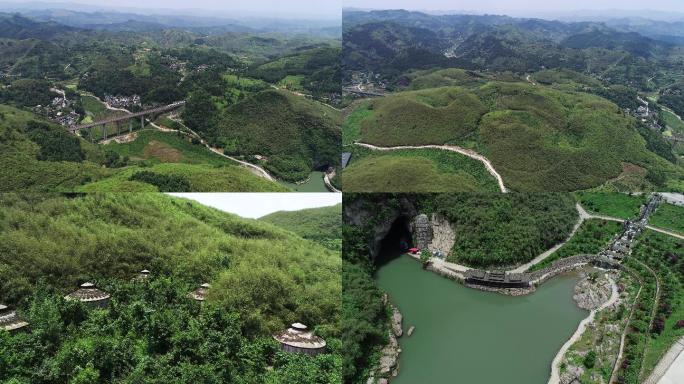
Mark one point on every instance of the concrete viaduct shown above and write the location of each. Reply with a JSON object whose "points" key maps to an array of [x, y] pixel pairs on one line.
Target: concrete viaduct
{"points": [[119, 119]]}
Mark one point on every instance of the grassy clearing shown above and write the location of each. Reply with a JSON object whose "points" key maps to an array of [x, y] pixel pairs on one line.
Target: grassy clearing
{"points": [[611, 204], [292, 82], [672, 121], [351, 128], [669, 216], [590, 238], [423, 170], [166, 147]]}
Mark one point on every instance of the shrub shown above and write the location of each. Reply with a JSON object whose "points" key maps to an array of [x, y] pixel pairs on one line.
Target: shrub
{"points": [[165, 183]]}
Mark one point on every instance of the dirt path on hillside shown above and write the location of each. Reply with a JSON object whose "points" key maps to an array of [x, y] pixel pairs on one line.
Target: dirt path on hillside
{"points": [[452, 148], [255, 169]]}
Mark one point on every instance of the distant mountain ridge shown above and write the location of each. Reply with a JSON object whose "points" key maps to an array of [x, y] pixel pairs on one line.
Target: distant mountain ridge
{"points": [[394, 41]]}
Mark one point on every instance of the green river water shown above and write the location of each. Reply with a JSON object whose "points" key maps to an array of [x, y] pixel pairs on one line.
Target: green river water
{"points": [[469, 336], [315, 184]]}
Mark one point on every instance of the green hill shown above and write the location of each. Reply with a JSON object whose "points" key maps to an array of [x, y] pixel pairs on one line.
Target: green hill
{"points": [[538, 138], [263, 278], [295, 134], [322, 225], [40, 156]]}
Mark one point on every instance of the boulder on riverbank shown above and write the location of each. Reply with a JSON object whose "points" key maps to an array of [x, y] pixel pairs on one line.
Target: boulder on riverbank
{"points": [[397, 319]]}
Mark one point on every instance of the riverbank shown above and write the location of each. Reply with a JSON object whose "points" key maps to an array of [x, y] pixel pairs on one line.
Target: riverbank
{"points": [[489, 332]]}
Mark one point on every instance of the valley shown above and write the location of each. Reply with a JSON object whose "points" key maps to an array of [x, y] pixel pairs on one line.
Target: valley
{"points": [[106, 86]]}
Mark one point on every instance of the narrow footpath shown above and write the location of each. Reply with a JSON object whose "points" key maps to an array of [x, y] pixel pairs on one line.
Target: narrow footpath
{"points": [[555, 365], [451, 148]]}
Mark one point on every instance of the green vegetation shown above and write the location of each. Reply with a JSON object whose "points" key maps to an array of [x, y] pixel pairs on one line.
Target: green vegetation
{"points": [[498, 230], [263, 278], [591, 237], [437, 116], [44, 157], [55, 144], [672, 122], [295, 134], [656, 259], [538, 138], [618, 205], [670, 217], [164, 183], [321, 225], [202, 178], [316, 71], [415, 170], [155, 146], [351, 128]]}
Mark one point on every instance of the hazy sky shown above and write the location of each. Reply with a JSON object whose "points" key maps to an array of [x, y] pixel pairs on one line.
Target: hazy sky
{"points": [[255, 205], [269, 8], [519, 6]]}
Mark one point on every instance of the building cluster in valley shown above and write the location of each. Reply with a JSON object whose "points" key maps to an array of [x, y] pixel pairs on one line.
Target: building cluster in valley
{"points": [[365, 84], [61, 110], [123, 101]]}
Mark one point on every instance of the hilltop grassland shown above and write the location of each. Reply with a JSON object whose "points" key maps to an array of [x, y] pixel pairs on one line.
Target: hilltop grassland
{"points": [[40, 156], [262, 279], [539, 138], [415, 170]]}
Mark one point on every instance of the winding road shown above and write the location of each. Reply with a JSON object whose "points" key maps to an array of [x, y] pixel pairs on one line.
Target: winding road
{"points": [[452, 148]]}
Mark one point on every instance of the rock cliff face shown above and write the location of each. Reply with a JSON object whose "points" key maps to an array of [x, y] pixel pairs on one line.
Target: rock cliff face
{"points": [[443, 235], [433, 233], [422, 231]]}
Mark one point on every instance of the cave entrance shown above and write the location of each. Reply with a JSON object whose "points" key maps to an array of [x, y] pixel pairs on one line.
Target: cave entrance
{"points": [[396, 242]]}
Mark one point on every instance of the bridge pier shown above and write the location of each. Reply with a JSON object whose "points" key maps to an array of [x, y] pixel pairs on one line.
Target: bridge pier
{"points": [[142, 121], [104, 131], [90, 133], [130, 125]]}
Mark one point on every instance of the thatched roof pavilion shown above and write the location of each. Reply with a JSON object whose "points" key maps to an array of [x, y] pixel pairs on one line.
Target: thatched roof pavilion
{"points": [[297, 339], [200, 294], [10, 320], [90, 295]]}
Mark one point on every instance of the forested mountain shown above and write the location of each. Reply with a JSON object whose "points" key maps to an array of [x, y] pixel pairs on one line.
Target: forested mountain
{"points": [[322, 225], [262, 279]]}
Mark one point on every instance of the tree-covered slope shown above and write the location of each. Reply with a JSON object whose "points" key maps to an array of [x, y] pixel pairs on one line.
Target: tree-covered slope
{"points": [[295, 134], [538, 138], [322, 225], [40, 156], [263, 278]]}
